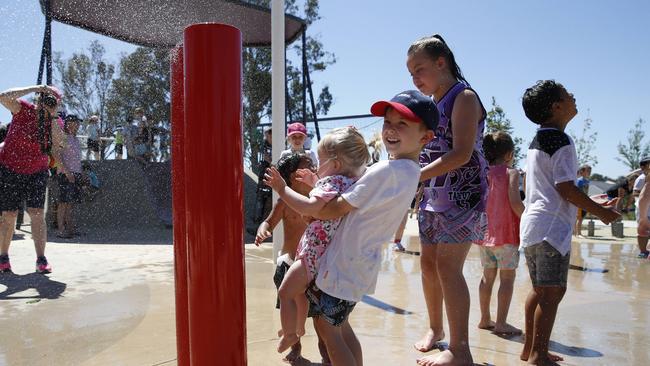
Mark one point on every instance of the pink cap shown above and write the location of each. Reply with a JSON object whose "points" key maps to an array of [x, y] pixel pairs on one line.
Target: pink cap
{"points": [[295, 128]]}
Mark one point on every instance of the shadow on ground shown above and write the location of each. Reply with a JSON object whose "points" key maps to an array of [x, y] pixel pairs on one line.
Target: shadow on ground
{"points": [[15, 283]]}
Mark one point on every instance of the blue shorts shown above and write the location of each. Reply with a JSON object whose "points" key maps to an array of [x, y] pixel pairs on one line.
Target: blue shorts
{"points": [[442, 227], [546, 265], [332, 309]]}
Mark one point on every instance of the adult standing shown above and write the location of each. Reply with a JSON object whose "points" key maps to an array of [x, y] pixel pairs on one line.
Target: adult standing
{"points": [[93, 144], [35, 131], [642, 237]]}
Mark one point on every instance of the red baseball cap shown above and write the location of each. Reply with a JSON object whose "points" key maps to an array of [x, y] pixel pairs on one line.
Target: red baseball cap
{"points": [[295, 128], [412, 105]]}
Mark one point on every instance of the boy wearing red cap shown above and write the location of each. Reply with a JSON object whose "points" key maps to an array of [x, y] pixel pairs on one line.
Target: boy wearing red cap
{"points": [[24, 164], [374, 207], [296, 135]]}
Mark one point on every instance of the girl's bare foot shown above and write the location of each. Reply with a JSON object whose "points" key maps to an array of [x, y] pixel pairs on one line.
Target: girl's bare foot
{"points": [[553, 357], [286, 341], [446, 358], [300, 331], [506, 329], [429, 341], [486, 324]]}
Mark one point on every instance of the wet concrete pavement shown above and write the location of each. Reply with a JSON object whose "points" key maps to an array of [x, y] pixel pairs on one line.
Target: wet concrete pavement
{"points": [[108, 304]]}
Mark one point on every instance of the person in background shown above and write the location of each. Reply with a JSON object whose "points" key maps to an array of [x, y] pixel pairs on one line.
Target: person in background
{"points": [[119, 143], [93, 144], [583, 184], [69, 189], [24, 165], [296, 135], [642, 237]]}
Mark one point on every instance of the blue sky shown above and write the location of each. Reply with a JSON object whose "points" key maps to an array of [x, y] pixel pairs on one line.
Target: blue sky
{"points": [[597, 49]]}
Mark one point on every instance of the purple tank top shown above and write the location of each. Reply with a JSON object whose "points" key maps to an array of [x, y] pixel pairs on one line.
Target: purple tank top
{"points": [[461, 189]]}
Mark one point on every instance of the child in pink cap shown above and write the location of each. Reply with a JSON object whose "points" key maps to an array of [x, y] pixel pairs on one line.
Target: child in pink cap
{"points": [[296, 135]]}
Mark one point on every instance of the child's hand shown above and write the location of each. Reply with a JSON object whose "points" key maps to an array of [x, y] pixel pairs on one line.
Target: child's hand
{"points": [[273, 179], [306, 176], [608, 216], [263, 232]]}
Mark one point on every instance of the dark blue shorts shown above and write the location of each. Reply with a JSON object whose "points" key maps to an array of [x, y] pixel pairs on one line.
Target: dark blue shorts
{"points": [[69, 192], [16, 188], [334, 310], [281, 271]]}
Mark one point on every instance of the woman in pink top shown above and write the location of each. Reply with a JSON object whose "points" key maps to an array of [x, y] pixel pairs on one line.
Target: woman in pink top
{"points": [[500, 247], [24, 162]]}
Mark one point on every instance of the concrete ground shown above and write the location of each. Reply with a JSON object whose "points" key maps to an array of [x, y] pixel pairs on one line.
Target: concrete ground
{"points": [[113, 304]]}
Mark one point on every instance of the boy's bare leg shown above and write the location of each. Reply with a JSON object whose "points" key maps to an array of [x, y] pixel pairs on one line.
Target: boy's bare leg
{"points": [[338, 345], [506, 285], [529, 335], [548, 301], [60, 218], [295, 353], [322, 349], [295, 282], [450, 261], [642, 242], [485, 295], [353, 342], [433, 298]]}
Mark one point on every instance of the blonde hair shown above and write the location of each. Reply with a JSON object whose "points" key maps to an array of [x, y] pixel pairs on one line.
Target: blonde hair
{"points": [[348, 146]]}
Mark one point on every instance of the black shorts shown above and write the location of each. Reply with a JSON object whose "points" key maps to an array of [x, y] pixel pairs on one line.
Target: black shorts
{"points": [[16, 188], [118, 148], [278, 277], [93, 145], [69, 192], [332, 309]]}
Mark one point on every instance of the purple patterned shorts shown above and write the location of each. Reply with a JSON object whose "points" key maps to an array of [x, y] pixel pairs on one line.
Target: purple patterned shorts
{"points": [[456, 228]]}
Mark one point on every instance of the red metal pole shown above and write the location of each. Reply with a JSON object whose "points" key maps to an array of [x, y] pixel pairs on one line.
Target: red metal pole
{"points": [[214, 194], [178, 194]]}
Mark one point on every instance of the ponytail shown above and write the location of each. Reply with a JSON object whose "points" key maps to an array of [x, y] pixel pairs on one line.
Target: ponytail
{"points": [[496, 145]]}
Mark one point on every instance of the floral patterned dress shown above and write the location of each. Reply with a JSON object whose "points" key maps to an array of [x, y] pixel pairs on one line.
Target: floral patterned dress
{"points": [[319, 233]]}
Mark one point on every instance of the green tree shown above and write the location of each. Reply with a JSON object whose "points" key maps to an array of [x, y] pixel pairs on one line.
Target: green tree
{"points": [[85, 78], [585, 144], [632, 152], [257, 80], [143, 82], [497, 120]]}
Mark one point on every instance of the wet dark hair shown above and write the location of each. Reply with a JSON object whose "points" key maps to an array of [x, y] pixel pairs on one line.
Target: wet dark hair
{"points": [[434, 47], [538, 100], [290, 163], [496, 145]]}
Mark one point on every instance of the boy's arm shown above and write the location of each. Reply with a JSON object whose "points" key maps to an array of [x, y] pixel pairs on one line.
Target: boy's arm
{"points": [[335, 208], [307, 206], [513, 192], [266, 227], [573, 194]]}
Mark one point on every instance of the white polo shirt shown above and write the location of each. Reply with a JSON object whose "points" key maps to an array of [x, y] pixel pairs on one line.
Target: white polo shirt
{"points": [[349, 267], [548, 217]]}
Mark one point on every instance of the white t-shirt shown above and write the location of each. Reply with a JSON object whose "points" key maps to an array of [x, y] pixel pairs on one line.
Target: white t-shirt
{"points": [[311, 154], [638, 186], [350, 265], [549, 217]]}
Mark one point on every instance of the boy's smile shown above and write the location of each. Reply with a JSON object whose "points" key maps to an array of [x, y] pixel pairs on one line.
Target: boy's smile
{"points": [[403, 138]]}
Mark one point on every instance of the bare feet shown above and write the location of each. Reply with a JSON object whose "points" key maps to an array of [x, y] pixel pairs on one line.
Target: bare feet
{"points": [[301, 330], [486, 324], [506, 330], [446, 358], [429, 341], [552, 357], [549, 360], [286, 341], [292, 356]]}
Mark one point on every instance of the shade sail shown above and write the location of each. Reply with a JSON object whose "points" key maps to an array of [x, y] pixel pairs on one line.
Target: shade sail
{"points": [[160, 23]]}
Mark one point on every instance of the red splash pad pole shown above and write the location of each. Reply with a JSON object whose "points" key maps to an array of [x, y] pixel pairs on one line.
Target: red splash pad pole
{"points": [[178, 194], [214, 194]]}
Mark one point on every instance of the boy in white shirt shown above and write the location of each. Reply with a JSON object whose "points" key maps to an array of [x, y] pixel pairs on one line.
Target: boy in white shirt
{"points": [[547, 222], [374, 206]]}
